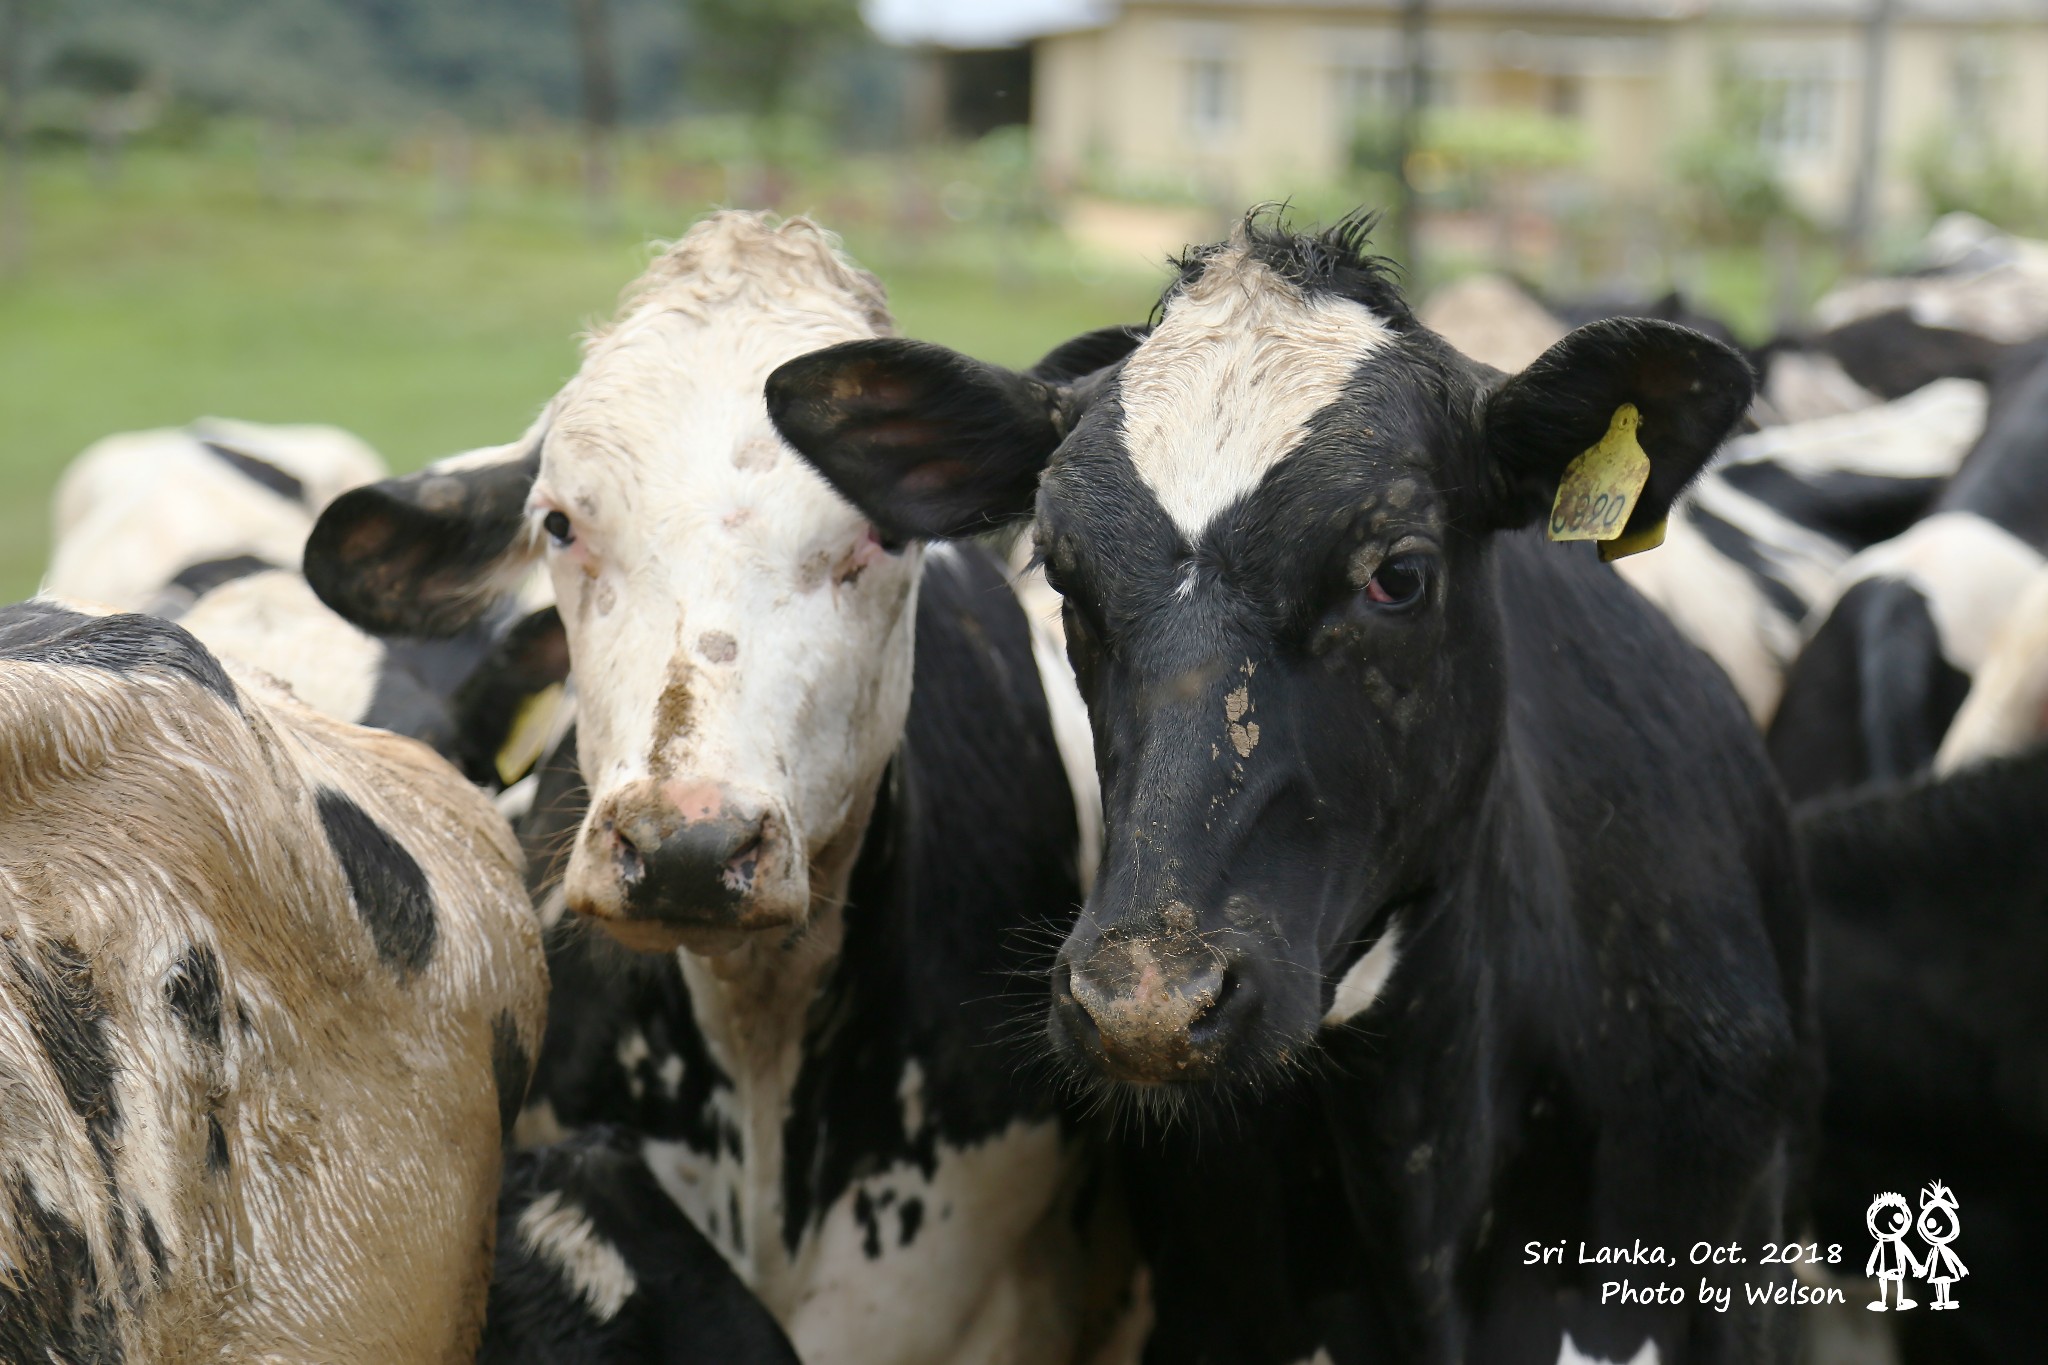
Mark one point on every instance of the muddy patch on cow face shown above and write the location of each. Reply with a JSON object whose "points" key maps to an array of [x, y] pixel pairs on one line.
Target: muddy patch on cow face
{"points": [[672, 713]]}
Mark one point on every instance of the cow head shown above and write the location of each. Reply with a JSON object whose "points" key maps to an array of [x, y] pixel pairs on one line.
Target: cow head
{"points": [[741, 636], [1271, 523]]}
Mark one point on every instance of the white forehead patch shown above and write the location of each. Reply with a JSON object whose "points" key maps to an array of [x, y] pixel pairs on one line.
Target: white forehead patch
{"points": [[1226, 384]]}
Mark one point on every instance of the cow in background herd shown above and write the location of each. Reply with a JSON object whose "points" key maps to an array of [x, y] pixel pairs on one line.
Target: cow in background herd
{"points": [[206, 525]]}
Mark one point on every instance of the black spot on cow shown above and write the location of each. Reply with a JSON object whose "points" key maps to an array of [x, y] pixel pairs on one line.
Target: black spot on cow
{"points": [[911, 1216], [69, 1020], [386, 883], [869, 1217], [216, 1145], [511, 1069], [193, 990], [739, 1228], [50, 1303], [258, 471], [45, 633], [1749, 555], [153, 1243], [202, 578]]}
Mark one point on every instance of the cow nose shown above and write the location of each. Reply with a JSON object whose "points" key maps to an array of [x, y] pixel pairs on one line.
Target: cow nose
{"points": [[690, 853], [1153, 1009]]}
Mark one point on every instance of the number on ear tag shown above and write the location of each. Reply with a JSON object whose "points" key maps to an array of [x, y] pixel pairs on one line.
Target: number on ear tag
{"points": [[1599, 488]]}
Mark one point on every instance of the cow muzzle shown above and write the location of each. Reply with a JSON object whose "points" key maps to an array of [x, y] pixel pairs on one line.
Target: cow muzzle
{"points": [[700, 865], [1153, 1007]]}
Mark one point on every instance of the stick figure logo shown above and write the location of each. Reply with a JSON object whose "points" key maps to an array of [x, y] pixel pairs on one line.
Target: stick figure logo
{"points": [[1891, 1261], [1889, 1220], [1940, 1222]]}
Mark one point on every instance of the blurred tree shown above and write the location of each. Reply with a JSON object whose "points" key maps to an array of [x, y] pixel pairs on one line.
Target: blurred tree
{"points": [[600, 88], [750, 53], [14, 80], [110, 78]]}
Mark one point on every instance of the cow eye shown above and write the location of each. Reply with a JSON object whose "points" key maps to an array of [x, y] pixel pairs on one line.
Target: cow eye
{"points": [[1399, 583], [556, 524]]}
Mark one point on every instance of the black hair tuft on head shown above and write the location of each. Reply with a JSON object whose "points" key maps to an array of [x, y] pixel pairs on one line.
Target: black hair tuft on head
{"points": [[1332, 260]]}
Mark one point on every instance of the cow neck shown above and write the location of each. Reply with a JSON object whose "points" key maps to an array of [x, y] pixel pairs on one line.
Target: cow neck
{"points": [[753, 1006]]}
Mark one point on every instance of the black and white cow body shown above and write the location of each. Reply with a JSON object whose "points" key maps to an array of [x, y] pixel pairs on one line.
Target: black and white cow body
{"points": [[269, 993], [1875, 687], [595, 1265], [825, 799], [1930, 924], [1757, 544], [1447, 899]]}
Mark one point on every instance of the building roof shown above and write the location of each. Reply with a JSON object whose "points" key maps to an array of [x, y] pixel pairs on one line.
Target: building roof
{"points": [[1953, 11], [970, 24]]}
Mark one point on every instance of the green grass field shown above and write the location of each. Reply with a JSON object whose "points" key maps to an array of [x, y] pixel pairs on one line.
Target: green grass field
{"points": [[195, 284]]}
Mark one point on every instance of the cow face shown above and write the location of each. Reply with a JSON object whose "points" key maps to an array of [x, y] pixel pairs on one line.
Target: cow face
{"points": [[1271, 524], [741, 636]]}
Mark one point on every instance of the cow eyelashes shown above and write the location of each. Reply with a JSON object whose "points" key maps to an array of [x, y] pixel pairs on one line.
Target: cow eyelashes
{"points": [[556, 524], [1399, 583]]}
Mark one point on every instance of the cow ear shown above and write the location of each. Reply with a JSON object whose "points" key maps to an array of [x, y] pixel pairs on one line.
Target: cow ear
{"points": [[926, 442], [1688, 390], [505, 710], [428, 553], [1087, 353]]}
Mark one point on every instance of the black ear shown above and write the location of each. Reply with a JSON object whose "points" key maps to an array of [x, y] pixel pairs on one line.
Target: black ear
{"points": [[503, 710], [927, 442], [1690, 390], [1087, 353], [425, 554]]}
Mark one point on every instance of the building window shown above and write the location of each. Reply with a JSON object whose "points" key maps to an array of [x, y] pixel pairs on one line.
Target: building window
{"points": [[1793, 111], [1974, 79], [1212, 96], [1368, 91]]}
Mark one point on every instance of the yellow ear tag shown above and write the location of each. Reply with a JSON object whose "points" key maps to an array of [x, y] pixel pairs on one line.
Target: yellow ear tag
{"points": [[1599, 490], [529, 732]]}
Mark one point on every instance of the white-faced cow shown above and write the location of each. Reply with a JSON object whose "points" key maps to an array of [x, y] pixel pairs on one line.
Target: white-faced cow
{"points": [[269, 985], [1913, 618], [1447, 895], [864, 851]]}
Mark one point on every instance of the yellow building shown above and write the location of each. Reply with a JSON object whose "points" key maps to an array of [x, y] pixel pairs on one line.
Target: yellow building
{"points": [[1246, 99]]}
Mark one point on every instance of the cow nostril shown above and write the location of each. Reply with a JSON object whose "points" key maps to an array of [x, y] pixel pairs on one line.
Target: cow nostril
{"points": [[1208, 1020], [632, 865], [741, 866]]}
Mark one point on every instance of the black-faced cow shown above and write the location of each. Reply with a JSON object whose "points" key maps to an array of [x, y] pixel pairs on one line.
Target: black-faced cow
{"points": [[1446, 894], [1930, 924], [865, 851], [269, 985], [205, 526], [1874, 688]]}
